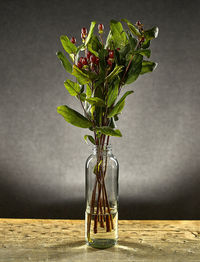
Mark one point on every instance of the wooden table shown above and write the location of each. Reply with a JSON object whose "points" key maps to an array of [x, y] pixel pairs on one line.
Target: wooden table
{"points": [[63, 240]]}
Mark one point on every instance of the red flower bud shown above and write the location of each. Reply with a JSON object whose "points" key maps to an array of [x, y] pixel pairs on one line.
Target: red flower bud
{"points": [[73, 40], [88, 54], [111, 54], [92, 58], [84, 30], [97, 61], [80, 65], [84, 61], [109, 62], [100, 27]]}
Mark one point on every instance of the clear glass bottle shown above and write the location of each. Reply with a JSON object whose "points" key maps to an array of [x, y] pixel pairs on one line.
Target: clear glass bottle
{"points": [[101, 195]]}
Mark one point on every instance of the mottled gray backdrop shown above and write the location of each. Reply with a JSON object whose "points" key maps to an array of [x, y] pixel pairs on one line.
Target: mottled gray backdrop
{"points": [[42, 157]]}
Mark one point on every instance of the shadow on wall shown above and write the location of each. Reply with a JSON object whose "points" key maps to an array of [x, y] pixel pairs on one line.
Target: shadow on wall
{"points": [[184, 205]]}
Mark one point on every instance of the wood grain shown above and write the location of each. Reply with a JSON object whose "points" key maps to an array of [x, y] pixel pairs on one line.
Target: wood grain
{"points": [[63, 240]]}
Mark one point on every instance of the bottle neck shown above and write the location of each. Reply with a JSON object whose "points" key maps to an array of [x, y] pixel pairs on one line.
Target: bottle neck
{"points": [[102, 149]]}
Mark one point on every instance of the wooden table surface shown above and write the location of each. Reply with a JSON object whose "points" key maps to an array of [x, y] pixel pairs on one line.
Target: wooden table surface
{"points": [[63, 240]]}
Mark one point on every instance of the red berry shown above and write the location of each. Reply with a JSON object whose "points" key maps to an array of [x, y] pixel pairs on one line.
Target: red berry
{"points": [[111, 54], [84, 30], [109, 62], [73, 40], [81, 59], [97, 61], [92, 58], [88, 54], [118, 49], [84, 61], [80, 65], [100, 27]]}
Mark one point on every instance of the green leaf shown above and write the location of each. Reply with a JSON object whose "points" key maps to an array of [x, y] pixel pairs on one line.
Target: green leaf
{"points": [[146, 44], [88, 91], [151, 33], [91, 139], [66, 64], [109, 131], [94, 45], [82, 97], [148, 66], [95, 101], [103, 53], [118, 35], [91, 31], [144, 52], [112, 94], [134, 69], [73, 117], [119, 106], [112, 123], [123, 52], [81, 77], [109, 40], [114, 73], [72, 87], [69, 47], [132, 41], [132, 28]]}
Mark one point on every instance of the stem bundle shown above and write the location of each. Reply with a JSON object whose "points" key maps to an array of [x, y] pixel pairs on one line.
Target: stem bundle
{"points": [[102, 213]]}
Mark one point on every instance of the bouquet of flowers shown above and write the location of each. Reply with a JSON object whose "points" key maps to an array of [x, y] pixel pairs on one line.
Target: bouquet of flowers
{"points": [[101, 68]]}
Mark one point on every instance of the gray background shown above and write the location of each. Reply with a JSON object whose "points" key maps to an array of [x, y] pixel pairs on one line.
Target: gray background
{"points": [[42, 157]]}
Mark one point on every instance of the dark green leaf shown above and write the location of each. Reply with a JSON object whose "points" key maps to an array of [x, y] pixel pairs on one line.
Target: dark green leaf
{"points": [[82, 97], [132, 28], [96, 101], [67, 45], [132, 41], [72, 87], [114, 73], [147, 66], [119, 106], [66, 64], [112, 123], [73, 117], [103, 53], [118, 35], [109, 131], [112, 94], [144, 52], [116, 118], [134, 69], [90, 138], [81, 77], [82, 88], [124, 51], [94, 45], [146, 44], [151, 33], [92, 26]]}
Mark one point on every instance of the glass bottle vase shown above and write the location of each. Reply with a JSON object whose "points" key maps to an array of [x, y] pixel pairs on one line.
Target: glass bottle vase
{"points": [[101, 195]]}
